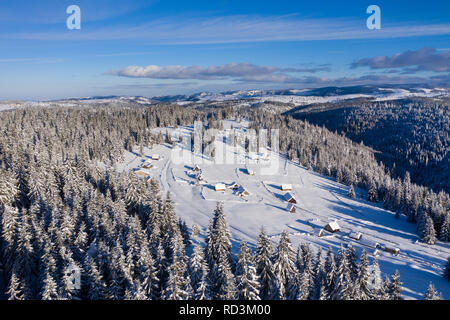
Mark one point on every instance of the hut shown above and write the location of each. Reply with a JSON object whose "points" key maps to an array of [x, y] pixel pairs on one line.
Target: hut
{"points": [[290, 208], [290, 198], [156, 157], [332, 227], [219, 187], [355, 235], [234, 186], [142, 173], [286, 187], [320, 232], [199, 176], [394, 251], [147, 165], [243, 192], [250, 172], [197, 168]]}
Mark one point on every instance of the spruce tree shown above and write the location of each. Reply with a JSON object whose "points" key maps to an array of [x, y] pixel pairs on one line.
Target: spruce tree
{"points": [[247, 284], [431, 293], [343, 282], [396, 289], [447, 270], [264, 266], [284, 266], [362, 289], [351, 192]]}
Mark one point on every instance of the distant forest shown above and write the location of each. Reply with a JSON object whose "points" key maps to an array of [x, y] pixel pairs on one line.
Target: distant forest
{"points": [[411, 135]]}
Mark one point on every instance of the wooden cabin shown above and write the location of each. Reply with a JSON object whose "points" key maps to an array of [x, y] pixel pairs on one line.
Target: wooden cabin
{"points": [[290, 208], [320, 232], [355, 235], [147, 165], [243, 192], [394, 251], [332, 227], [290, 198], [142, 173]]}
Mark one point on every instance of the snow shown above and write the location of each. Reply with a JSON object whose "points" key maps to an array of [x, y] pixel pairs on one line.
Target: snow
{"points": [[320, 200]]}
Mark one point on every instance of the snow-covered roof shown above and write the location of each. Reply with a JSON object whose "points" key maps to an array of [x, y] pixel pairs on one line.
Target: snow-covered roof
{"points": [[156, 157], [288, 196], [219, 187], [333, 225], [290, 207], [286, 186], [142, 172], [355, 235]]}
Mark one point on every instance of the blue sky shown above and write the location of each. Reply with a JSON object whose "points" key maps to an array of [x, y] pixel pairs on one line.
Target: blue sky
{"points": [[153, 48]]}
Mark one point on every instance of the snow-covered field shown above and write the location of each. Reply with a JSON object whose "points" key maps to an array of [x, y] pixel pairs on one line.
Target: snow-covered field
{"points": [[319, 200]]}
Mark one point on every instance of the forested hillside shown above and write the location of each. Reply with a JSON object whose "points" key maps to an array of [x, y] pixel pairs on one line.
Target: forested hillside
{"points": [[61, 210], [412, 135]]}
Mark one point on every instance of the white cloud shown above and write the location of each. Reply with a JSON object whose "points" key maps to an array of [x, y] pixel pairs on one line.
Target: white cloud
{"points": [[425, 59], [235, 71]]}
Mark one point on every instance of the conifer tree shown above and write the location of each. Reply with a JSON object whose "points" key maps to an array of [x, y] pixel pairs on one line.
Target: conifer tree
{"points": [[447, 270], [396, 289], [343, 282], [284, 266], [330, 273], [351, 192], [264, 266], [431, 293], [362, 289], [198, 271], [247, 284]]}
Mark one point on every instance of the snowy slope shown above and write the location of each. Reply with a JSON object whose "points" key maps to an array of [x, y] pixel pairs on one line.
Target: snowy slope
{"points": [[319, 201]]}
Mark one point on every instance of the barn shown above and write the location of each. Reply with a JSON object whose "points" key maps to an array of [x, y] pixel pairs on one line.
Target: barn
{"points": [[332, 227], [290, 198]]}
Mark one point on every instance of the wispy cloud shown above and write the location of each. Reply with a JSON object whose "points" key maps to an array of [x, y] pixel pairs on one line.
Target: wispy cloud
{"points": [[425, 59], [31, 60], [238, 29]]}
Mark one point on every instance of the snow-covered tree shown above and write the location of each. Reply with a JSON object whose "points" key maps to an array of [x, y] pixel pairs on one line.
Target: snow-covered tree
{"points": [[247, 284], [395, 290], [447, 270], [264, 266], [284, 266], [351, 192], [431, 293]]}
